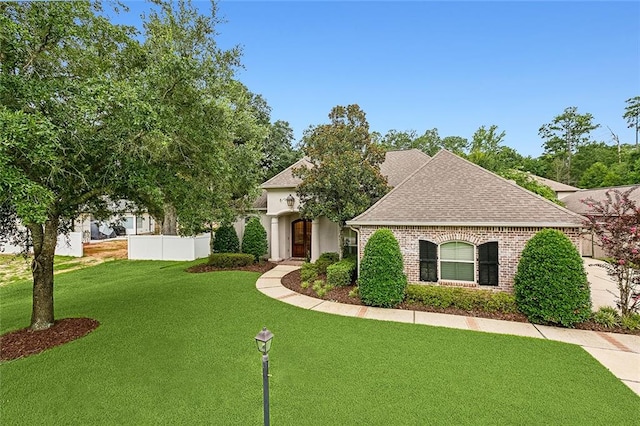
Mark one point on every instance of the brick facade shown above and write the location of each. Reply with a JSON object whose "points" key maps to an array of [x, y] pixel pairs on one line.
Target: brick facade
{"points": [[511, 242]]}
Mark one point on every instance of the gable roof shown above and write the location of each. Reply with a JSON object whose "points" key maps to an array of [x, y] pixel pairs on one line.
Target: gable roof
{"points": [[285, 178], [574, 203], [554, 185], [449, 190], [396, 167]]}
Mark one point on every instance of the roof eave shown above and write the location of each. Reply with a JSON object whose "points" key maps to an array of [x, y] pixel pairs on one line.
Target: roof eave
{"points": [[473, 224]]}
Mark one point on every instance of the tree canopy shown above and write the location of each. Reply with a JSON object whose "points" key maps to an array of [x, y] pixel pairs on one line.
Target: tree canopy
{"points": [[345, 177], [90, 115]]}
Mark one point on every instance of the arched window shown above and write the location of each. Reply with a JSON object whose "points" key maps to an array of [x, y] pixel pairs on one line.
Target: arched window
{"points": [[457, 261]]}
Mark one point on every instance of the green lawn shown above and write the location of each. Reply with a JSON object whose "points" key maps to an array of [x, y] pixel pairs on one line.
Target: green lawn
{"points": [[178, 348]]}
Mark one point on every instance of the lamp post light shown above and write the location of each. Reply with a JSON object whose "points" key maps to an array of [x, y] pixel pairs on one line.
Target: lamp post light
{"points": [[263, 340]]}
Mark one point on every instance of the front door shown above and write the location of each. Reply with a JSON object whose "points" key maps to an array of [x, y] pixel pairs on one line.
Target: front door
{"points": [[301, 238]]}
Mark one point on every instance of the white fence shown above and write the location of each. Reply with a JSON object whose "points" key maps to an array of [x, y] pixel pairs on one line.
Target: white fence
{"points": [[168, 247], [70, 245]]}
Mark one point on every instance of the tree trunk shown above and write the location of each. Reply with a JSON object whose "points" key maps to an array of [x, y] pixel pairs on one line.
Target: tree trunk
{"points": [[170, 221], [44, 247]]}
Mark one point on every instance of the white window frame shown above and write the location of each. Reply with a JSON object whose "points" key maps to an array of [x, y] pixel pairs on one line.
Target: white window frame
{"points": [[474, 262]]}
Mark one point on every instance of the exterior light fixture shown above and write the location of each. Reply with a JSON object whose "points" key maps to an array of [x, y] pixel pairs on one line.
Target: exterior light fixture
{"points": [[290, 201], [263, 340]]}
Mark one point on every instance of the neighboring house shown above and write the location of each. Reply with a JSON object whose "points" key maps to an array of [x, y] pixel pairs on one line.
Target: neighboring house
{"points": [[458, 224], [289, 235], [129, 222], [574, 203], [562, 190]]}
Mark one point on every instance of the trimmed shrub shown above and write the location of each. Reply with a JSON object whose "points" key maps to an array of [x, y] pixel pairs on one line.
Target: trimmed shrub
{"points": [[382, 280], [462, 298], [226, 240], [309, 272], [254, 240], [326, 259], [341, 273], [551, 285], [230, 260]]}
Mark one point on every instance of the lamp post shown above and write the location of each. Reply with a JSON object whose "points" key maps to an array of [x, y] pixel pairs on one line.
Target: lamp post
{"points": [[263, 340]]}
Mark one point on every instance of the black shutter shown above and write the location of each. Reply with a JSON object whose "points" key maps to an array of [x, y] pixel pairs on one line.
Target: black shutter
{"points": [[488, 263], [428, 261]]}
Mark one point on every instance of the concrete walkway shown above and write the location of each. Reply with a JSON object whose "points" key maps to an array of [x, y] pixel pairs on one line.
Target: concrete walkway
{"points": [[620, 353]]}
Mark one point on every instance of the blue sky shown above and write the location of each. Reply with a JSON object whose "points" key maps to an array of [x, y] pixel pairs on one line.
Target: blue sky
{"points": [[450, 65]]}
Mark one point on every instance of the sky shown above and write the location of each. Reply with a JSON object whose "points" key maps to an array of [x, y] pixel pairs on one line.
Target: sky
{"points": [[454, 66]]}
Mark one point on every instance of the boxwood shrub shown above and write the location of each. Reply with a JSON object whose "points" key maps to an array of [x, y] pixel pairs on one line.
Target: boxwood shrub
{"points": [[230, 260], [326, 259], [308, 272], [382, 281], [226, 240], [341, 273], [254, 240], [551, 284], [461, 298]]}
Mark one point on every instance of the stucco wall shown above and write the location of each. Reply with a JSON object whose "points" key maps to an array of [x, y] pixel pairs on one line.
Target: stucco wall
{"points": [[276, 201], [511, 242]]}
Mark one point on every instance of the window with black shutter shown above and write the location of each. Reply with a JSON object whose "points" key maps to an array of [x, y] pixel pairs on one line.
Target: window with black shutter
{"points": [[488, 263], [428, 261]]}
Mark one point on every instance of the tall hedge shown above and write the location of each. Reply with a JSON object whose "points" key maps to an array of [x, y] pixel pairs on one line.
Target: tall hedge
{"points": [[551, 284], [226, 240], [382, 280], [254, 240]]}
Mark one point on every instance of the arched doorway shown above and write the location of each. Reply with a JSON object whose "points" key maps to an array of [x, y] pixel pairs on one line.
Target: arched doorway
{"points": [[301, 238]]}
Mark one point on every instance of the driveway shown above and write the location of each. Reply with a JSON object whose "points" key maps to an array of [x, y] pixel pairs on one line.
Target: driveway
{"points": [[604, 290]]}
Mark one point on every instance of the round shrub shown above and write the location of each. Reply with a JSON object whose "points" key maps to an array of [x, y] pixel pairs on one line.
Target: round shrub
{"points": [[551, 285], [254, 240], [226, 240], [382, 281]]}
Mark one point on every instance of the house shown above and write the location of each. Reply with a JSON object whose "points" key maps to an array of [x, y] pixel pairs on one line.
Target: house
{"points": [[574, 203], [562, 190], [460, 225], [291, 236], [126, 220]]}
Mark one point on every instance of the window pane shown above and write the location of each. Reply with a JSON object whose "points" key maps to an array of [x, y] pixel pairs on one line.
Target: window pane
{"points": [[457, 251], [457, 271], [448, 251]]}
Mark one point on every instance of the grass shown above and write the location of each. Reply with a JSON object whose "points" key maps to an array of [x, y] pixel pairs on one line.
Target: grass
{"points": [[178, 348], [14, 268]]}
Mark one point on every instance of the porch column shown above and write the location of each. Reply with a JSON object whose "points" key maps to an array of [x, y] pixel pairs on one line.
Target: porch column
{"points": [[275, 239], [315, 240]]}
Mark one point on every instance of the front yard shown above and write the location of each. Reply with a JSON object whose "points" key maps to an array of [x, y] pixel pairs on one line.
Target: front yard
{"points": [[178, 348]]}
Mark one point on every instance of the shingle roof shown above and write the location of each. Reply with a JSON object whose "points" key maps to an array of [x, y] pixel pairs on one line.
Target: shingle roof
{"points": [[449, 190], [285, 178], [396, 167], [574, 204], [261, 202], [556, 186]]}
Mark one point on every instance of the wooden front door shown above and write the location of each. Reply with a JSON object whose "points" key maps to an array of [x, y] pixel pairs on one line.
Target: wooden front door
{"points": [[301, 238]]}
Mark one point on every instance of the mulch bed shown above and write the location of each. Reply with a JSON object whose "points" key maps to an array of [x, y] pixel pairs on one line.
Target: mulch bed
{"points": [[25, 342], [341, 295], [261, 267]]}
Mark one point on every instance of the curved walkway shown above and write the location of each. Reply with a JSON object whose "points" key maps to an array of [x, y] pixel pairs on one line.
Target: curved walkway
{"points": [[620, 353]]}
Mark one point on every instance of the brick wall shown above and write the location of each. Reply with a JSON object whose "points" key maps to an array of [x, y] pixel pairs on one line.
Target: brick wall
{"points": [[511, 242]]}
